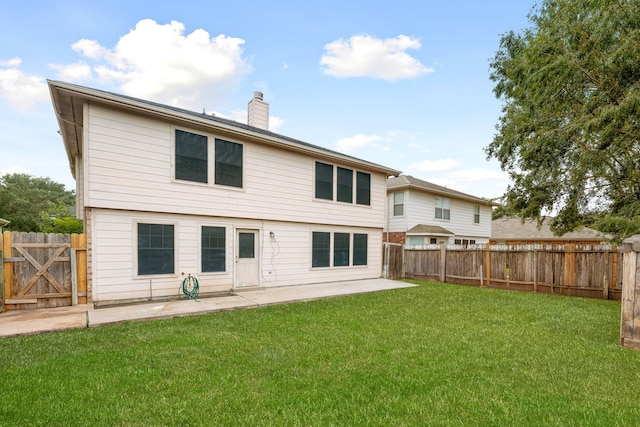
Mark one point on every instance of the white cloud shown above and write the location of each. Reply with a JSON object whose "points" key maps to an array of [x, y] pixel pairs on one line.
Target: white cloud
{"points": [[162, 63], [434, 165], [12, 63], [418, 147], [22, 91], [479, 174], [367, 56], [356, 142], [76, 72], [15, 169]]}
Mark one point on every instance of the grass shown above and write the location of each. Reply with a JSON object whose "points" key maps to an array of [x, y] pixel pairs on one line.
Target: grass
{"points": [[431, 355]]}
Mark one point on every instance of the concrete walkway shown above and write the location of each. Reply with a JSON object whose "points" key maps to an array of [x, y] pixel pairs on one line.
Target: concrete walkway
{"points": [[25, 322]]}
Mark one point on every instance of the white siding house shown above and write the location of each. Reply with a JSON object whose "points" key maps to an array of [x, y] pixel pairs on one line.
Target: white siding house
{"points": [[166, 192], [419, 213]]}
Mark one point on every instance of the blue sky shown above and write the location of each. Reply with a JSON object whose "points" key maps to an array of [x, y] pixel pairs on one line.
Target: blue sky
{"points": [[403, 84]]}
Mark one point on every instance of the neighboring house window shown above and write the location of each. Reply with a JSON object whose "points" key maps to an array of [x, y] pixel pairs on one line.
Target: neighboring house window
{"points": [[416, 240], [228, 167], [363, 188], [360, 245], [190, 156], [476, 214], [345, 185], [341, 244], [155, 249], [324, 181], [213, 249], [433, 241], [442, 208], [398, 204], [321, 249]]}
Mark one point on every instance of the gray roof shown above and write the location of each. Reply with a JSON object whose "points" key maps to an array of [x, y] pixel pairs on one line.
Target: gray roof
{"points": [[407, 181], [68, 100], [515, 229], [429, 229]]}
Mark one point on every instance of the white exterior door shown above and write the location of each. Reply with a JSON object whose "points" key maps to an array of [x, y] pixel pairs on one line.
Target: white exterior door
{"points": [[247, 258]]}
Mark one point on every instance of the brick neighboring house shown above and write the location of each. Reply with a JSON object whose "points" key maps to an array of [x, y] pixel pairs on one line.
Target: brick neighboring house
{"points": [[420, 212]]}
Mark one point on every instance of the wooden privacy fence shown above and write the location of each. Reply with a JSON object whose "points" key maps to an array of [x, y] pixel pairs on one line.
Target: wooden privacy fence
{"points": [[575, 270], [44, 270]]}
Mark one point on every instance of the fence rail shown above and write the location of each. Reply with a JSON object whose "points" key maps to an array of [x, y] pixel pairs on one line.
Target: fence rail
{"points": [[576, 270]]}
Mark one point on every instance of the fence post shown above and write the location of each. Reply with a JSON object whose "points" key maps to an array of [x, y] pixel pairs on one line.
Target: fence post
{"points": [[630, 316], [2, 307], [443, 262], [569, 264], [487, 264], [6, 289]]}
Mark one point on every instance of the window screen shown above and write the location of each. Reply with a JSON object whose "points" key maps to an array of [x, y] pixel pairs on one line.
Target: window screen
{"points": [[155, 249], [363, 188], [345, 185], [321, 249], [246, 245], [324, 181], [360, 243], [398, 204], [228, 163], [191, 156], [341, 243], [213, 249]]}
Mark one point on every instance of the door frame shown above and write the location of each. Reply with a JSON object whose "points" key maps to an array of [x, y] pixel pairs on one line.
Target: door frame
{"points": [[258, 255]]}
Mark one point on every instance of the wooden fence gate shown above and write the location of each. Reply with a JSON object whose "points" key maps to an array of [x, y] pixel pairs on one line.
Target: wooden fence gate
{"points": [[44, 270]]}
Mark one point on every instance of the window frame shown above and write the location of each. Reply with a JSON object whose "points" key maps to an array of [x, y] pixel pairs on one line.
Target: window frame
{"points": [[174, 248], [202, 249], [179, 176], [476, 214], [316, 247], [217, 165], [443, 208], [344, 181], [324, 183], [342, 254], [398, 206]]}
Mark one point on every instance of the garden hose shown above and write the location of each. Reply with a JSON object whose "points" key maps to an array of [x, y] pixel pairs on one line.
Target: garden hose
{"points": [[190, 287]]}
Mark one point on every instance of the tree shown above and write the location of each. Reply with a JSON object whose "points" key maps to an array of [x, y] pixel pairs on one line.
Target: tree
{"points": [[569, 133], [30, 203]]}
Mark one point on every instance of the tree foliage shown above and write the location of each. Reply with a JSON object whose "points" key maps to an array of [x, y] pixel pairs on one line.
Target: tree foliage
{"points": [[35, 204], [569, 134]]}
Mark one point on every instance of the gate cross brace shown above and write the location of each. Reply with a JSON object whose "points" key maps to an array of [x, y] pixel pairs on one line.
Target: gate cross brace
{"points": [[42, 269]]}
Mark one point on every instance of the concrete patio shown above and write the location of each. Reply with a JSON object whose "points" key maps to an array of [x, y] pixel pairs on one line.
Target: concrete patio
{"points": [[27, 322]]}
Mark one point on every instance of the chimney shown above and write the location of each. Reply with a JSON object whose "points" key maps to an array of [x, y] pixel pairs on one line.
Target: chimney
{"points": [[258, 115]]}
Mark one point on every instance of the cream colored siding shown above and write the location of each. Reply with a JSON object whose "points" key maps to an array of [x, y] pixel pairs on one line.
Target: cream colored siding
{"points": [[130, 167], [420, 209], [397, 223], [285, 260]]}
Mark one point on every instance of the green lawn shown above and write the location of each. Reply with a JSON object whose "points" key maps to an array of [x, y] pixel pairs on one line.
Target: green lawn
{"points": [[431, 355]]}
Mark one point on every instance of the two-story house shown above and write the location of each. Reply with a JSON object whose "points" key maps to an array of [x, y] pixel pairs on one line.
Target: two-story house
{"points": [[165, 192], [422, 213]]}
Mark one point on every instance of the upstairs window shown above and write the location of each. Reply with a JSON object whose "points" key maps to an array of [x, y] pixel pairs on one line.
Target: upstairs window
{"points": [[324, 181], [476, 214], [398, 203], [228, 167], [442, 208], [345, 185], [363, 188], [191, 156]]}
